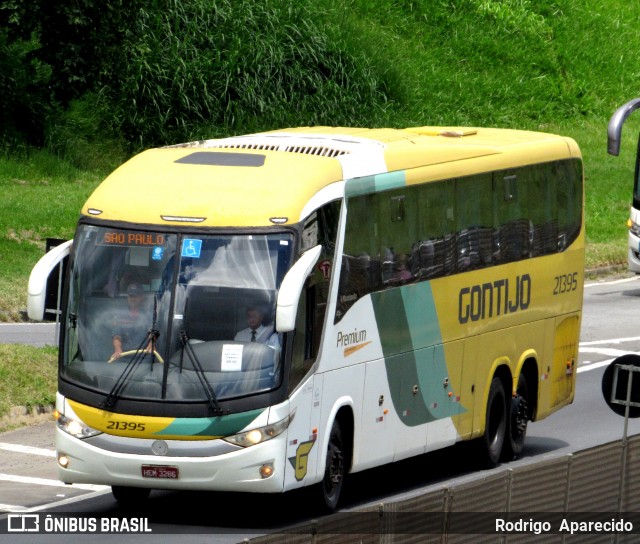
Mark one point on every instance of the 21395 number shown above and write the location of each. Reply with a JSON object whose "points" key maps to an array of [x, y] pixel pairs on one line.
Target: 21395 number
{"points": [[125, 426], [565, 283]]}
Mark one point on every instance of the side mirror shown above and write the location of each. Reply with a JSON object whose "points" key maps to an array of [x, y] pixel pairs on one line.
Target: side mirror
{"points": [[39, 279], [614, 129], [291, 287]]}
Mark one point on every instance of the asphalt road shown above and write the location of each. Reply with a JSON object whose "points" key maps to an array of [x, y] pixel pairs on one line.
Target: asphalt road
{"points": [[28, 476], [34, 334]]}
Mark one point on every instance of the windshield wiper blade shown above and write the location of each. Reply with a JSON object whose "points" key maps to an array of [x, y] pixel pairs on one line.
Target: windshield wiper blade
{"points": [[197, 366], [150, 339], [122, 380]]}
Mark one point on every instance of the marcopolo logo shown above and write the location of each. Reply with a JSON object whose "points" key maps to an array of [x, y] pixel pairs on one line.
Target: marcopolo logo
{"points": [[500, 297]]}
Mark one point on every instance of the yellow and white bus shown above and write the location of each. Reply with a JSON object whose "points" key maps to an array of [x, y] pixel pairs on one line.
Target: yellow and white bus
{"points": [[408, 289], [614, 140]]}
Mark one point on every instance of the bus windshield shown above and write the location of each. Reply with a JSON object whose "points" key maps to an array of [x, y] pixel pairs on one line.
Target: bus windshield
{"points": [[173, 317]]}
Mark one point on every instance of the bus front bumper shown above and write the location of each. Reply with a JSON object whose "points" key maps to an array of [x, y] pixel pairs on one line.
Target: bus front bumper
{"points": [[634, 253], [237, 471]]}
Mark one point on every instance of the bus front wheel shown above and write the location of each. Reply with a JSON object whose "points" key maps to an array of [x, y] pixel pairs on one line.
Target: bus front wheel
{"points": [[495, 429], [335, 470]]}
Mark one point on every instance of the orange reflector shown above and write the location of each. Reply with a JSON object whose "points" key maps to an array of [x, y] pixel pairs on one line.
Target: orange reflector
{"points": [[266, 471]]}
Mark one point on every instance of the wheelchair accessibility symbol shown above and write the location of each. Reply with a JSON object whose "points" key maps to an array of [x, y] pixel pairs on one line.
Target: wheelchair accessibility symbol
{"points": [[191, 248]]}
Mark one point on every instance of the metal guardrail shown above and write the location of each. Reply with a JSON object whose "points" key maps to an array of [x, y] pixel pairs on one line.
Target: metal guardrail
{"points": [[595, 484]]}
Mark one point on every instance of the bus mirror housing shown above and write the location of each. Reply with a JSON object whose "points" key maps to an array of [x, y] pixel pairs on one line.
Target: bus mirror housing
{"points": [[614, 129], [291, 287], [39, 280]]}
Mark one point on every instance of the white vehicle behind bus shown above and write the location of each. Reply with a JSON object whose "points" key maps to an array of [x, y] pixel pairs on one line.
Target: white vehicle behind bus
{"points": [[614, 139]]}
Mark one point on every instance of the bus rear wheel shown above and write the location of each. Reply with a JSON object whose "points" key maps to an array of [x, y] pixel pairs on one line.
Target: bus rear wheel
{"points": [[335, 470], [518, 421], [495, 429], [129, 497]]}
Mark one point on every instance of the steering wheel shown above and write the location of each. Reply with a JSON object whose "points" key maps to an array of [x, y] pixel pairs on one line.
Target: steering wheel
{"points": [[136, 352]]}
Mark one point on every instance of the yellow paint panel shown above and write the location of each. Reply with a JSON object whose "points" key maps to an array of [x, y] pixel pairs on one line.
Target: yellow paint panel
{"points": [[454, 302], [120, 424], [152, 184]]}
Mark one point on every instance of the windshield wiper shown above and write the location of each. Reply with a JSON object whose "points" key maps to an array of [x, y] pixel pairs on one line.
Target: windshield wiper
{"points": [[122, 380], [197, 366], [149, 340]]}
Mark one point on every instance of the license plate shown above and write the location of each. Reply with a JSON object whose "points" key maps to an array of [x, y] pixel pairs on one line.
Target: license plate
{"points": [[160, 471]]}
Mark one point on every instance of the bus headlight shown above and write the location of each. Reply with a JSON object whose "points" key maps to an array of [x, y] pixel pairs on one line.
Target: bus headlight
{"points": [[73, 427], [256, 436]]}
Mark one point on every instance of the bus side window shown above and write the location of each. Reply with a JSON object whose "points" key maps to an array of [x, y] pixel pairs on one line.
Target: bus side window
{"points": [[569, 202], [542, 201], [474, 222], [320, 228], [512, 234]]}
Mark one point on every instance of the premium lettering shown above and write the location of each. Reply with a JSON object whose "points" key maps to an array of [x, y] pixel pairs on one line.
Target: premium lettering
{"points": [[349, 338]]}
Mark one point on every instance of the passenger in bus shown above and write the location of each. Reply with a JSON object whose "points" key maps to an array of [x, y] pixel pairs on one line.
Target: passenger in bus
{"points": [[131, 329], [401, 273], [257, 330]]}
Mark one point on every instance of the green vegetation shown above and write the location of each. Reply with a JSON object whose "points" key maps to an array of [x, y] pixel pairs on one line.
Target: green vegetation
{"points": [[41, 197], [27, 376], [86, 84]]}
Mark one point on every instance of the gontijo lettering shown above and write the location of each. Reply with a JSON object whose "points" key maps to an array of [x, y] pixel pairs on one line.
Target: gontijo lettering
{"points": [[493, 299]]}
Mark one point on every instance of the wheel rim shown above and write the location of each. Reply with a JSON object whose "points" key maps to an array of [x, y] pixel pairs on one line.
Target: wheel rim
{"points": [[521, 417], [335, 470], [496, 420]]}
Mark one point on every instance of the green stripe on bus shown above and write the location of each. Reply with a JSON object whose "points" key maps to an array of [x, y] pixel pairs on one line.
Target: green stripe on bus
{"points": [[373, 184], [414, 356], [211, 426]]}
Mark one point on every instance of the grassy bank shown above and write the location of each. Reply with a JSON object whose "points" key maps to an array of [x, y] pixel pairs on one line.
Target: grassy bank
{"points": [[42, 197], [560, 66], [47, 195], [27, 376]]}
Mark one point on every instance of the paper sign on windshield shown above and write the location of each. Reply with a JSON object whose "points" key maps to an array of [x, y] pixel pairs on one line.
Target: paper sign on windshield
{"points": [[231, 358]]}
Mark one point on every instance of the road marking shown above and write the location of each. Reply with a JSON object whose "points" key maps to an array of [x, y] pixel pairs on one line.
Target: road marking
{"points": [[48, 482], [12, 508], [612, 282], [27, 449], [588, 365], [55, 504], [609, 352], [612, 341]]}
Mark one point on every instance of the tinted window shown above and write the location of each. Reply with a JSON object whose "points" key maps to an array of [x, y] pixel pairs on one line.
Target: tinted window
{"points": [[436, 229]]}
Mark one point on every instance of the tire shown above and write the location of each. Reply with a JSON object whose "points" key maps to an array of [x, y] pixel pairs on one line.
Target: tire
{"points": [[129, 497], [518, 421], [495, 429], [334, 472]]}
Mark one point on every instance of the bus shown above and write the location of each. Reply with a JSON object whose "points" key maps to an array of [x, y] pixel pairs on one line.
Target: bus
{"points": [[409, 289], [614, 139]]}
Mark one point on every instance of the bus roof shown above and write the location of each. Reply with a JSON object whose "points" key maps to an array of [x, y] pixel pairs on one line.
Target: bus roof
{"points": [[277, 177]]}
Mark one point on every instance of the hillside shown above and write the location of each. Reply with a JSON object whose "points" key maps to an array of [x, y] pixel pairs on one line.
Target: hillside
{"points": [[559, 66]]}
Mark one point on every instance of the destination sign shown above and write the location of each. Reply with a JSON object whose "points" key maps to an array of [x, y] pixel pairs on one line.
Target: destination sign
{"points": [[123, 238]]}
